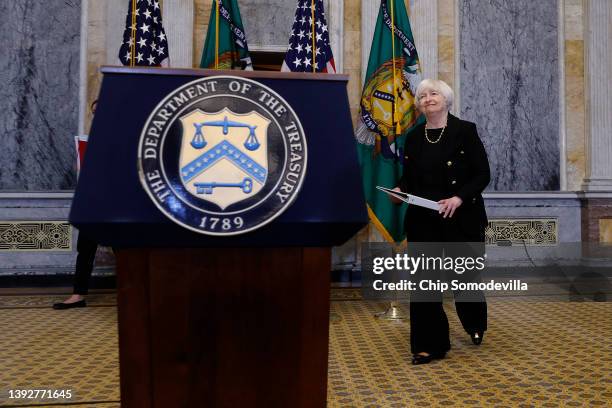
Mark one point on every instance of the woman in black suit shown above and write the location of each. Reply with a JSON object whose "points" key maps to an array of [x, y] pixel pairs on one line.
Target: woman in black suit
{"points": [[444, 161]]}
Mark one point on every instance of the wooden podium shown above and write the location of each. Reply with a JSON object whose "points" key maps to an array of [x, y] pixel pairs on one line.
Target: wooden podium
{"points": [[207, 321]]}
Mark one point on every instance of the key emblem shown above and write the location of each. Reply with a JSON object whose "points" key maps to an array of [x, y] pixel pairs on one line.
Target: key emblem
{"points": [[207, 188]]}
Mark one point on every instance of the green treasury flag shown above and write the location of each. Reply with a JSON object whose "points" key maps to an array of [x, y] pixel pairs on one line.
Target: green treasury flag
{"points": [[233, 50], [383, 126]]}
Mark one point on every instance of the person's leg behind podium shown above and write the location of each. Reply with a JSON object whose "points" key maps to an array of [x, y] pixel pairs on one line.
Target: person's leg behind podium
{"points": [[86, 255]]}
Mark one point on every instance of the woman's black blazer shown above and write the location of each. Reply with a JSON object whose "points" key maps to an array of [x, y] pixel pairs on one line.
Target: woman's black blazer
{"points": [[464, 169]]}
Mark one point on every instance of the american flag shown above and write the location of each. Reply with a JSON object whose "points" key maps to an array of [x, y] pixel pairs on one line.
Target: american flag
{"points": [[144, 38], [299, 55]]}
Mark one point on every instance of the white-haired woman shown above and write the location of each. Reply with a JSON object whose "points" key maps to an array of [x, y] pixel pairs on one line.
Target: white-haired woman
{"points": [[445, 161]]}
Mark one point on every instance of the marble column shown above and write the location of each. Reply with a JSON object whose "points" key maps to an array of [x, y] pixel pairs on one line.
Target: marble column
{"points": [[369, 13], [116, 13], [599, 95], [424, 24], [334, 14], [178, 22], [83, 67], [449, 47]]}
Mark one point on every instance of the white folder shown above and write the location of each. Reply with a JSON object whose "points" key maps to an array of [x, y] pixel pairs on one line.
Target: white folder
{"points": [[411, 199]]}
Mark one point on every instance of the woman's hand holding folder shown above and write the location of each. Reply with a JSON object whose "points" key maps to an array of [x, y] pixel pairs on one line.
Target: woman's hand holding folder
{"points": [[394, 199]]}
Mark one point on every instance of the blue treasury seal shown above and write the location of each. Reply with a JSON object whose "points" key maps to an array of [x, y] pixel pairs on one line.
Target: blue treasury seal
{"points": [[222, 155]]}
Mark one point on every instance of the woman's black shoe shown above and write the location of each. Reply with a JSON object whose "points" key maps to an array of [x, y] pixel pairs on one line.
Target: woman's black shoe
{"points": [[425, 359], [64, 306], [477, 337]]}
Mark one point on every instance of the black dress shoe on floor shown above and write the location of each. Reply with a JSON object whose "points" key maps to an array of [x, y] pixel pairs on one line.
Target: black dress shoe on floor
{"points": [[425, 359], [477, 337], [64, 306]]}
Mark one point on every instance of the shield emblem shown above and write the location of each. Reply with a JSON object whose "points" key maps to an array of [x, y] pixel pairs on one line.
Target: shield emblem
{"points": [[382, 101], [224, 155], [378, 96]]}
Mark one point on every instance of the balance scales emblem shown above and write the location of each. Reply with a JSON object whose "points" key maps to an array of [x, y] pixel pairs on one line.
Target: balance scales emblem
{"points": [[224, 155]]}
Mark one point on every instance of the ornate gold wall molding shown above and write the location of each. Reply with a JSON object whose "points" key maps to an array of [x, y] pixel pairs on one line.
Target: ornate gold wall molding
{"points": [[531, 231], [35, 236]]}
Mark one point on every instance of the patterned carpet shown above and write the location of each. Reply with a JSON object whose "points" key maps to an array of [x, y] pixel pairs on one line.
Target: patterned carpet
{"points": [[537, 353]]}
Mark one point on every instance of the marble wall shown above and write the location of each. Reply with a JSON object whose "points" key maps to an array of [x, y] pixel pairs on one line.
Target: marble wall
{"points": [[39, 99], [266, 22], [449, 31], [510, 87]]}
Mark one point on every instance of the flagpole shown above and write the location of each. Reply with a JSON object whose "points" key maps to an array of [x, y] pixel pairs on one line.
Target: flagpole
{"points": [[161, 15], [217, 34], [398, 128], [393, 312], [314, 43], [133, 35]]}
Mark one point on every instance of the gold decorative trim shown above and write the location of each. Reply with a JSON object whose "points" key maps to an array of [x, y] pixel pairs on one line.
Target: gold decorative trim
{"points": [[530, 231], [35, 236]]}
